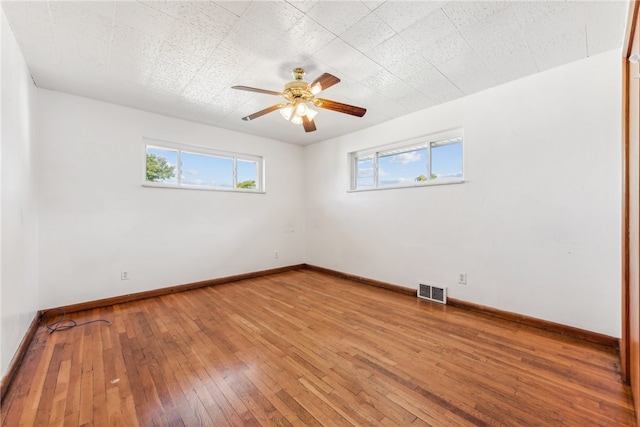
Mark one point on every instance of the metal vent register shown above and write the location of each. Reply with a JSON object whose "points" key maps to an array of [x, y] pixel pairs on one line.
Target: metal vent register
{"points": [[432, 293]]}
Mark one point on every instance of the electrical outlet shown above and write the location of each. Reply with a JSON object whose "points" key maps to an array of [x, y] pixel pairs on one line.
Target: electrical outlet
{"points": [[462, 278], [124, 275], [275, 254]]}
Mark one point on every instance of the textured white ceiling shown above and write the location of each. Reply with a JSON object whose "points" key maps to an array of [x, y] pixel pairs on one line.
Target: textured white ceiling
{"points": [[180, 58]]}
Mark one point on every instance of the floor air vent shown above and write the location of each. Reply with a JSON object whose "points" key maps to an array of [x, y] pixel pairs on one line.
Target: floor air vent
{"points": [[432, 293]]}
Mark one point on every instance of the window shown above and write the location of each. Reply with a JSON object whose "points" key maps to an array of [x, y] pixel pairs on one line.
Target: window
{"points": [[182, 166], [427, 160]]}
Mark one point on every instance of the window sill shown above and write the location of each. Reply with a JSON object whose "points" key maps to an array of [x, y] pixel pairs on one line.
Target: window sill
{"points": [[423, 184], [184, 187]]}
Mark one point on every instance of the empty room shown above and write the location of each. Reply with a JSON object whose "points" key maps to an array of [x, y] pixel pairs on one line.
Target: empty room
{"points": [[319, 213]]}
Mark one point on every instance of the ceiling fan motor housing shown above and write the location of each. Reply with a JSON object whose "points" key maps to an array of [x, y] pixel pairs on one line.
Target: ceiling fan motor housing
{"points": [[297, 91]]}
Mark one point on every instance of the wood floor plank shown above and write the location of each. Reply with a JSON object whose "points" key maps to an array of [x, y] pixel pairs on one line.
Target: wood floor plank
{"points": [[85, 416], [305, 348], [41, 408]]}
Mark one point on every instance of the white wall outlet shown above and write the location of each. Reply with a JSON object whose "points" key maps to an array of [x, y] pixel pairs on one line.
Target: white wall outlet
{"points": [[275, 254], [462, 278], [124, 275]]}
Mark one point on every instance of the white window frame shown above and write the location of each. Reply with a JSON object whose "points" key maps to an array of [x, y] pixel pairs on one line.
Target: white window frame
{"points": [[195, 149], [426, 141]]}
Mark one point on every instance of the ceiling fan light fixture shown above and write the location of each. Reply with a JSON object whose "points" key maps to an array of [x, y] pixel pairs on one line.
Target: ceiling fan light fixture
{"points": [[311, 113], [287, 112], [296, 119], [301, 109], [316, 89]]}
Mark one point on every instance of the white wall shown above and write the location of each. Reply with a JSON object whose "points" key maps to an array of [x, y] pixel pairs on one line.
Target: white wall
{"points": [[96, 219], [536, 225], [18, 198]]}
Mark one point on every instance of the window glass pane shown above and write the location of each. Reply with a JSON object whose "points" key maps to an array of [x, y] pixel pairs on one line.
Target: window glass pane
{"points": [[364, 172], [201, 170], [403, 168], [247, 174], [446, 160], [200, 167], [161, 165]]}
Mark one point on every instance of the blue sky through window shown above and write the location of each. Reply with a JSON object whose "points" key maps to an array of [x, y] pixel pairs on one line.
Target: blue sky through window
{"points": [[206, 171], [247, 171], [364, 174], [446, 160], [401, 168]]}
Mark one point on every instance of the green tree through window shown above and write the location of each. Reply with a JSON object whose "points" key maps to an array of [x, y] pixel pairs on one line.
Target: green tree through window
{"points": [[158, 169], [424, 178], [247, 184]]}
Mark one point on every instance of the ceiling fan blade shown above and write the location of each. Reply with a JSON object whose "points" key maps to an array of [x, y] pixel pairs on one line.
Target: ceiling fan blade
{"points": [[339, 107], [253, 89], [309, 125], [323, 82], [263, 112]]}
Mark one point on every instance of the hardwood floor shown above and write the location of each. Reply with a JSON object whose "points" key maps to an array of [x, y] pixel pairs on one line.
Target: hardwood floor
{"points": [[306, 348]]}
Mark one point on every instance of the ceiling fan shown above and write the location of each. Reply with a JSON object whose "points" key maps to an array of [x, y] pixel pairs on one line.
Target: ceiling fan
{"points": [[298, 94]]}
